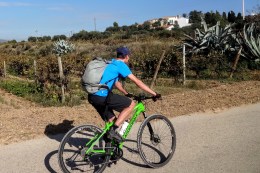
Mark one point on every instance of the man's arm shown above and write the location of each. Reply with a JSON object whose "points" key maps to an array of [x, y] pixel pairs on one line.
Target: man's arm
{"points": [[120, 87], [141, 85]]}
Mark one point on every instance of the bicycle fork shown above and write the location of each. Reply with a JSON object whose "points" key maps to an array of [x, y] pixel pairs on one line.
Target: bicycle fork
{"points": [[154, 138]]}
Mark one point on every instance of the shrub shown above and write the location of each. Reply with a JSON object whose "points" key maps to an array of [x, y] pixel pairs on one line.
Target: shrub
{"points": [[19, 88]]}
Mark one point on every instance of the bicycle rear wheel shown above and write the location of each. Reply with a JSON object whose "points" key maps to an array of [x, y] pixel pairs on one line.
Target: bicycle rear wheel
{"points": [[71, 154], [156, 141]]}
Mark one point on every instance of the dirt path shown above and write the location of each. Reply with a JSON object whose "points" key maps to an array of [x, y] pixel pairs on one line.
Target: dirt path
{"points": [[226, 142], [22, 120]]}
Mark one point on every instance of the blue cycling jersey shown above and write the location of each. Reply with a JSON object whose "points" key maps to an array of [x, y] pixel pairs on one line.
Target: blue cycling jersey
{"points": [[112, 73]]}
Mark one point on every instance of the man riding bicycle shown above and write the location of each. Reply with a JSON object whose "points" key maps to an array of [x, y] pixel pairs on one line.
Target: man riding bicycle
{"points": [[117, 69]]}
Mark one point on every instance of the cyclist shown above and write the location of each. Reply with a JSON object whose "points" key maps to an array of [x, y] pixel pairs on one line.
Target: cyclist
{"points": [[117, 69]]}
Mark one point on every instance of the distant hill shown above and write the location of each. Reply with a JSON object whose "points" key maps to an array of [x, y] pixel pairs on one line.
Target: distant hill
{"points": [[2, 41]]}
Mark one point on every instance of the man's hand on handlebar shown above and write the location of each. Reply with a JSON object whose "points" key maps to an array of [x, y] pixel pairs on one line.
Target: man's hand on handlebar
{"points": [[156, 97], [129, 95], [143, 97]]}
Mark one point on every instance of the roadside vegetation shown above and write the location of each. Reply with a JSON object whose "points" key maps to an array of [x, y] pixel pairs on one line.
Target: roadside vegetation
{"points": [[221, 47]]}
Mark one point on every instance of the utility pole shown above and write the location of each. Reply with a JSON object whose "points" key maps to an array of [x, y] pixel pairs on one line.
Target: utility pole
{"points": [[36, 35], [95, 24], [243, 6], [184, 65]]}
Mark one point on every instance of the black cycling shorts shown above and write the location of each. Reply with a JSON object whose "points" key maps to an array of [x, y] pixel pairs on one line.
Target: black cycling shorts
{"points": [[115, 102]]}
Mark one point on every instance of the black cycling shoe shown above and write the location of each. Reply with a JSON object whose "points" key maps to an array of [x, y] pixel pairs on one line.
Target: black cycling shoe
{"points": [[112, 134]]}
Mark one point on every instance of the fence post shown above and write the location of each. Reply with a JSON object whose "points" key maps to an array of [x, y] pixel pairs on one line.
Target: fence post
{"points": [[157, 69], [4, 69], [235, 63], [184, 66], [35, 69], [61, 79]]}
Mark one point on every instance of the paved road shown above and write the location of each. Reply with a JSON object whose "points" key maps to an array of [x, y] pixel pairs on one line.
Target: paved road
{"points": [[227, 142]]}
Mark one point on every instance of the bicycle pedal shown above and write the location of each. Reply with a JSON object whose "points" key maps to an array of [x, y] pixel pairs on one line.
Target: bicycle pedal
{"points": [[133, 150]]}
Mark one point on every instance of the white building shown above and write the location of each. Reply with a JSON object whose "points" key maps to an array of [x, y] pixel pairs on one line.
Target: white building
{"points": [[169, 22], [180, 20]]}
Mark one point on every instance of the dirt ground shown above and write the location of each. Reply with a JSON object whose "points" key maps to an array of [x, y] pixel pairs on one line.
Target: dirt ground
{"points": [[23, 120]]}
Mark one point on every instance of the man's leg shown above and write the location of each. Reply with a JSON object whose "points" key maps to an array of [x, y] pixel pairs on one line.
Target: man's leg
{"points": [[121, 104], [99, 104], [125, 114]]}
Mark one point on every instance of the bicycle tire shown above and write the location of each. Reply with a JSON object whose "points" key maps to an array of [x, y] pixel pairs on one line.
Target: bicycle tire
{"points": [[147, 144], [72, 145]]}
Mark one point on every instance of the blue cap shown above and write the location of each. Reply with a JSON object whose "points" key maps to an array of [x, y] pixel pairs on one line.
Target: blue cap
{"points": [[122, 51]]}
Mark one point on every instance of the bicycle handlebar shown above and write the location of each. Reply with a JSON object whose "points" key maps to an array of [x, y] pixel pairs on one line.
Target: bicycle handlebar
{"points": [[142, 97]]}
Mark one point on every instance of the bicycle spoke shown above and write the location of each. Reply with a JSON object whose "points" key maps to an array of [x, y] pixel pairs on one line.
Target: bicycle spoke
{"points": [[156, 150], [72, 156]]}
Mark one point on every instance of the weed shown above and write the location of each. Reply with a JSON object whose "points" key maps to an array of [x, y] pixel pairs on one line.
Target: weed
{"points": [[2, 100], [196, 85], [14, 104]]}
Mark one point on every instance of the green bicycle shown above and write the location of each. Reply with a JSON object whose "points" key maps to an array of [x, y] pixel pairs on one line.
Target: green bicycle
{"points": [[87, 149]]}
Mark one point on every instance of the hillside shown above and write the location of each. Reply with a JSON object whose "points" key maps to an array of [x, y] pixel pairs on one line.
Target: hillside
{"points": [[2, 41], [23, 120]]}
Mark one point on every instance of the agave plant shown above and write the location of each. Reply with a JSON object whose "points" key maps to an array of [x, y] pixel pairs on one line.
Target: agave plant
{"points": [[213, 38], [210, 44], [62, 47], [251, 42]]}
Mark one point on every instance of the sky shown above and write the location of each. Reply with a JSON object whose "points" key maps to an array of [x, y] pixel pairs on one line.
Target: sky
{"points": [[20, 19]]}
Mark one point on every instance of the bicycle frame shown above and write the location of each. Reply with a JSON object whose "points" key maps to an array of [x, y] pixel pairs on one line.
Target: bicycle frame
{"points": [[139, 108]]}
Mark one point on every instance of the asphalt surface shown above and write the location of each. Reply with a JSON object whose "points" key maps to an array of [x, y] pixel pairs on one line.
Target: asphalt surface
{"points": [[224, 142]]}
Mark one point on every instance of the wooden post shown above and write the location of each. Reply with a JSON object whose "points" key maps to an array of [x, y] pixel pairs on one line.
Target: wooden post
{"points": [[157, 69], [35, 69], [235, 63], [61, 80], [184, 65], [4, 69]]}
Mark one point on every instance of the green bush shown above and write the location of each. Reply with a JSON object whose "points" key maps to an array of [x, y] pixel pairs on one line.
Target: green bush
{"points": [[19, 88], [196, 85]]}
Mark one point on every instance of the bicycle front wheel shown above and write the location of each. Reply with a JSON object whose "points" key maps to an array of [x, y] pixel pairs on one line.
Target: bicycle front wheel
{"points": [[72, 151], [156, 141]]}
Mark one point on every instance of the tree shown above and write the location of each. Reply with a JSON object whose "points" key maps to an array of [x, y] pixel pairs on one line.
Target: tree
{"points": [[133, 27], [46, 38], [32, 39], [224, 15], [195, 16], [124, 28], [218, 16], [156, 24], [147, 25], [208, 18], [114, 28], [115, 24], [231, 16], [59, 37], [223, 21], [176, 25], [214, 19], [239, 18]]}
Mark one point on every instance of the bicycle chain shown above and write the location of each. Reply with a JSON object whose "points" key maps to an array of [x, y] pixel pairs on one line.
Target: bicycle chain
{"points": [[118, 154]]}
